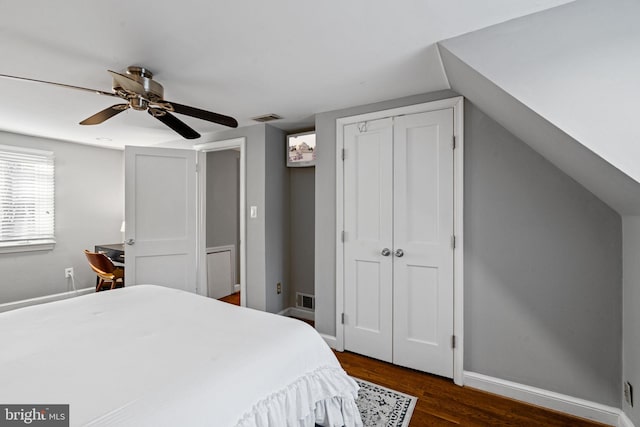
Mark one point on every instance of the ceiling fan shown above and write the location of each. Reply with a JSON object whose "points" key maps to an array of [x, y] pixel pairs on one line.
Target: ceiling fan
{"points": [[141, 93]]}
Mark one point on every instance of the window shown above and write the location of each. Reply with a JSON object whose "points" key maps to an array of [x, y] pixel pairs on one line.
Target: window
{"points": [[26, 199]]}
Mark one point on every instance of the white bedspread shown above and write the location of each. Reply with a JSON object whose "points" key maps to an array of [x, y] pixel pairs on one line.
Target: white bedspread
{"points": [[147, 355]]}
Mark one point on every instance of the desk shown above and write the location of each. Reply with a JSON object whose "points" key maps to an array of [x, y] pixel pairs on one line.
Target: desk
{"points": [[114, 251]]}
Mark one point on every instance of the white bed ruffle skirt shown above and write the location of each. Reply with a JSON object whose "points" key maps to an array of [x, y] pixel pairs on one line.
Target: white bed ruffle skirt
{"points": [[325, 397]]}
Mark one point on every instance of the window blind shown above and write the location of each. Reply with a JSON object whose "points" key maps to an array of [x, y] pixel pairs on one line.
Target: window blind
{"points": [[26, 198]]}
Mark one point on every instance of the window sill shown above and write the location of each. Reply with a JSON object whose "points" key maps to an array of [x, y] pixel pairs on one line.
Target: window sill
{"points": [[14, 247]]}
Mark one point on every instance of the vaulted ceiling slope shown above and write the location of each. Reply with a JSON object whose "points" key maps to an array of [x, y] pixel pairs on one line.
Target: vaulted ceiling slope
{"points": [[565, 81], [238, 58]]}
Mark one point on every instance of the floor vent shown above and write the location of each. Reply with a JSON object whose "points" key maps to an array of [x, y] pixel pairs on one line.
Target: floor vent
{"points": [[305, 301], [267, 118]]}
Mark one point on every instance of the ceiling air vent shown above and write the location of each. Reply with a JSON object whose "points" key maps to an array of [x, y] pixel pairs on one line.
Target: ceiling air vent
{"points": [[267, 118]]}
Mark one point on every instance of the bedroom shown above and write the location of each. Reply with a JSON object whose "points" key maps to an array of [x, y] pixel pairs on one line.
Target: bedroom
{"points": [[600, 314]]}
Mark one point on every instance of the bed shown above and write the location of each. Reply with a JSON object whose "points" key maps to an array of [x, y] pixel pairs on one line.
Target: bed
{"points": [[153, 356]]}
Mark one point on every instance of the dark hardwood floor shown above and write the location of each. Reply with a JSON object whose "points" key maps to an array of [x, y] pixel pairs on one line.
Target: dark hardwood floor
{"points": [[442, 403], [232, 299]]}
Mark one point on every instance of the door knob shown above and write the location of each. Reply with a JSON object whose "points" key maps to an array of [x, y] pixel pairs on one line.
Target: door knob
{"points": [[399, 253], [386, 252], [130, 242]]}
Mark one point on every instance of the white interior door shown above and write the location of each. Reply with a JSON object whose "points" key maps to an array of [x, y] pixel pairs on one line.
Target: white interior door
{"points": [[423, 253], [160, 215], [368, 209]]}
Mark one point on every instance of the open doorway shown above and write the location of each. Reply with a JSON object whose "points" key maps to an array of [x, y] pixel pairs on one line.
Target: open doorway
{"points": [[222, 253]]}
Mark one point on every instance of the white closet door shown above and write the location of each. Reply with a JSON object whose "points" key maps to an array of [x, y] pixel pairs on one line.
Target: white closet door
{"points": [[423, 228], [368, 209]]}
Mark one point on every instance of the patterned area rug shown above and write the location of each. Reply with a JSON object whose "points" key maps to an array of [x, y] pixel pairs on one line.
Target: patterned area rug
{"points": [[382, 407]]}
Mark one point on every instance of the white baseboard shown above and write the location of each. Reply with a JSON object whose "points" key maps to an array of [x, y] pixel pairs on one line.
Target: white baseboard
{"points": [[308, 315], [624, 421], [548, 399], [41, 300], [300, 313], [330, 340]]}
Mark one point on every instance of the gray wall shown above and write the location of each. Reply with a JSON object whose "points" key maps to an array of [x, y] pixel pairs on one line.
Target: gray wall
{"points": [[630, 312], [223, 198], [276, 220], [267, 235], [543, 270], [89, 205], [302, 231], [543, 263]]}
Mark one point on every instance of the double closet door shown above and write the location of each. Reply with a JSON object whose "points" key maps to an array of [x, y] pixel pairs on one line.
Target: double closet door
{"points": [[398, 252]]}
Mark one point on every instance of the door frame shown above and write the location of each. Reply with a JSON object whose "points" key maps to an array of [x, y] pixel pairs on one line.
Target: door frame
{"points": [[457, 103], [203, 149]]}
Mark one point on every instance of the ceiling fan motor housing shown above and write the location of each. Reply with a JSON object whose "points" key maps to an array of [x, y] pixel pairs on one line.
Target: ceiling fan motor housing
{"points": [[154, 91]]}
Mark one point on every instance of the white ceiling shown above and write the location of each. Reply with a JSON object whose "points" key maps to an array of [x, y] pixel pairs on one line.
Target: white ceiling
{"points": [[575, 69], [577, 66], [239, 58]]}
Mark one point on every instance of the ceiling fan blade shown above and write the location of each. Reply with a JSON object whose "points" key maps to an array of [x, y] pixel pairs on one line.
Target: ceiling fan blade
{"points": [[105, 114], [99, 92], [174, 123], [129, 84], [202, 114]]}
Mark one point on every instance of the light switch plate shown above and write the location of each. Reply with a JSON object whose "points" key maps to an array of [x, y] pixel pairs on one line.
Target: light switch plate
{"points": [[253, 212]]}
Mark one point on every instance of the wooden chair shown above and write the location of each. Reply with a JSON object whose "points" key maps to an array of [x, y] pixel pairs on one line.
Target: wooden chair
{"points": [[109, 276]]}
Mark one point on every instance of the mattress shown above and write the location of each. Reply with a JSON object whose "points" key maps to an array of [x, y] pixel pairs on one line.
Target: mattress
{"points": [[149, 355]]}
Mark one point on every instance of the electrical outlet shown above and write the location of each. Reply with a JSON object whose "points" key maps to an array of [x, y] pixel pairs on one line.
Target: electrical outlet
{"points": [[68, 272], [279, 287], [628, 393]]}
